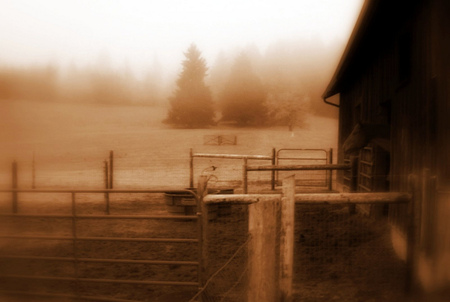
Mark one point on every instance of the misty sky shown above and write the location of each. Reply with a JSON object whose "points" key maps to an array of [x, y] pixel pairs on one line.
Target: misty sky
{"points": [[133, 33]]}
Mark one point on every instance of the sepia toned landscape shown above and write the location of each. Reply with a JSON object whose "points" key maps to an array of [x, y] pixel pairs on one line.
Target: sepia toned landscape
{"points": [[224, 151]]}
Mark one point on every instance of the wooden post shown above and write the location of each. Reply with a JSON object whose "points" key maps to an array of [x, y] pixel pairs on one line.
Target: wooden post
{"points": [[191, 169], [202, 214], [330, 173], [353, 181], [106, 180], [273, 171], [244, 177], [111, 169], [262, 226], [287, 239], [14, 187], [413, 233]]}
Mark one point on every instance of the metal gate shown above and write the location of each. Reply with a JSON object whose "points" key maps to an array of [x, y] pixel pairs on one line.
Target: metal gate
{"points": [[306, 157], [95, 245]]}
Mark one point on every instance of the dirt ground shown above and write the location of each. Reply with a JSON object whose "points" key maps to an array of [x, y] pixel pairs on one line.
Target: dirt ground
{"points": [[338, 257]]}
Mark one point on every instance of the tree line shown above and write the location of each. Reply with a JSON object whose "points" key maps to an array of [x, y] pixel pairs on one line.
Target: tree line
{"points": [[251, 90], [98, 84], [244, 88]]}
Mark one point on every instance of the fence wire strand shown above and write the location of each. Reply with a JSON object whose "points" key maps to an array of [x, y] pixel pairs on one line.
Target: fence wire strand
{"points": [[228, 283]]}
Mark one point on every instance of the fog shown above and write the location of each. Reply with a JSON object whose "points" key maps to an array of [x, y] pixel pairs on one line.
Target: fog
{"points": [[146, 39]]}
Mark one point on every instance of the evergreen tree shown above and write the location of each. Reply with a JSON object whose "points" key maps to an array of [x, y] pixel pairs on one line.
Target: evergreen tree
{"points": [[243, 100], [191, 105]]}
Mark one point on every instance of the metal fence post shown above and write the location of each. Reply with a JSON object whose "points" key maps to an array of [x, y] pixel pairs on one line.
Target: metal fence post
{"points": [[330, 161], [202, 216], [191, 168], [111, 169], [75, 244], [14, 186], [353, 181], [273, 171], [106, 180], [244, 178]]}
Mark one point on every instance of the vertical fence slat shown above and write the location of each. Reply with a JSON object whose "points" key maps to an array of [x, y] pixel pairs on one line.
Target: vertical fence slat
{"points": [[287, 239]]}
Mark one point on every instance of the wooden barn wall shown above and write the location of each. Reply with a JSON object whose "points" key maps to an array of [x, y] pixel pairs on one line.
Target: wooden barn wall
{"points": [[419, 110], [377, 95]]}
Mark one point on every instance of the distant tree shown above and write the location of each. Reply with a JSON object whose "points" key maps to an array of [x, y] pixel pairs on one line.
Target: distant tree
{"points": [[191, 105], [243, 99], [287, 109], [218, 75]]}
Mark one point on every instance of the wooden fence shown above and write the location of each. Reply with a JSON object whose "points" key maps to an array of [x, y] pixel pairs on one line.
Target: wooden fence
{"points": [[271, 280]]}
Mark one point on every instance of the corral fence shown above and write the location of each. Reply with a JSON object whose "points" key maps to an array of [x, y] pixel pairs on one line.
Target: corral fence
{"points": [[296, 156], [268, 273], [281, 157], [66, 248], [270, 224]]}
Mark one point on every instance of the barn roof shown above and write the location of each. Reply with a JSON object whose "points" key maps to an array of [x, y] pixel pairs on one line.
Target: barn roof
{"points": [[373, 28]]}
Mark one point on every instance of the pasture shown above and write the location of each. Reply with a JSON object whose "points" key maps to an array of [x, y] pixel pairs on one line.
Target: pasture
{"points": [[69, 143]]}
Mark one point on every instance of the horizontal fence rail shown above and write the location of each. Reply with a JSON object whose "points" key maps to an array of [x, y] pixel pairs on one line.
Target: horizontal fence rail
{"points": [[274, 168], [244, 157], [313, 198], [289, 156], [78, 219], [297, 167]]}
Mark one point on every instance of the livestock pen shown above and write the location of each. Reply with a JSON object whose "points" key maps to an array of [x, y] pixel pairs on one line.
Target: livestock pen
{"points": [[226, 279]]}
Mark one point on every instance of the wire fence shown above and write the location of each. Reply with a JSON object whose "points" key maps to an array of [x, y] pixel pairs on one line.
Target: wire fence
{"points": [[229, 282], [345, 257]]}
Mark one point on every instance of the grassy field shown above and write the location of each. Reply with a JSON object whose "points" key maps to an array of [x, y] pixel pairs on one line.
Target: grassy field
{"points": [[69, 143]]}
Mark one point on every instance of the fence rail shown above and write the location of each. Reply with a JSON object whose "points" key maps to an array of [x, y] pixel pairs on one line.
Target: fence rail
{"points": [[326, 167], [244, 157], [74, 236], [288, 156]]}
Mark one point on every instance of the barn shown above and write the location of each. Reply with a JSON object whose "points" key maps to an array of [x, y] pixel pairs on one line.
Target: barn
{"points": [[392, 90]]}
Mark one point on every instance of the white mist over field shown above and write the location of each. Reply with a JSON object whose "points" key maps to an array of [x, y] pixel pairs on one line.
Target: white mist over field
{"points": [[134, 34]]}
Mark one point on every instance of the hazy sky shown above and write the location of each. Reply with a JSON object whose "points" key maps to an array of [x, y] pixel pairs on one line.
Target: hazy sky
{"points": [[134, 32]]}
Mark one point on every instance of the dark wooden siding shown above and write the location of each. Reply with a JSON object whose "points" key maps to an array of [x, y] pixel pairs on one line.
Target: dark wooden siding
{"points": [[412, 99]]}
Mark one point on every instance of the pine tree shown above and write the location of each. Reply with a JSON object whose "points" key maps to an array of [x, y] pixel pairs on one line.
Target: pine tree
{"points": [[191, 106], [243, 100]]}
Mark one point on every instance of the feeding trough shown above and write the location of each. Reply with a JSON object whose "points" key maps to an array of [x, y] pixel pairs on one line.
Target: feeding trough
{"points": [[183, 203]]}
